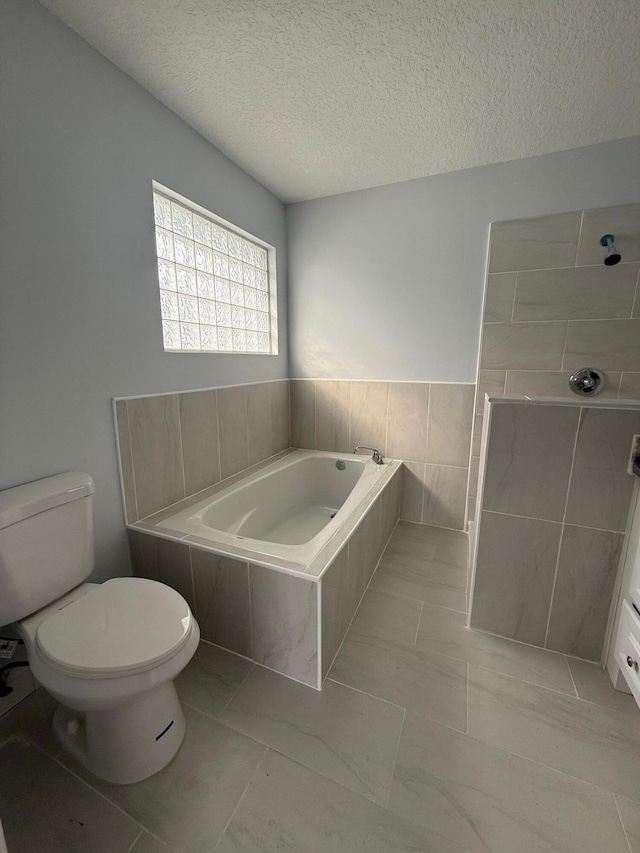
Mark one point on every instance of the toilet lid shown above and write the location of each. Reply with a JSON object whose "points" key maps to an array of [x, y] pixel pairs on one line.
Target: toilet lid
{"points": [[122, 626]]}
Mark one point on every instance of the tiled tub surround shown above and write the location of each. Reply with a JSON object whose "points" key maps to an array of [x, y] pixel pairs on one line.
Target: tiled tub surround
{"points": [[427, 425], [175, 445], [551, 307], [287, 616], [554, 505]]}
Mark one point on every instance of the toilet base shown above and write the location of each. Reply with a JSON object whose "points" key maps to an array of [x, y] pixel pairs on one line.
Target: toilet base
{"points": [[128, 743]]}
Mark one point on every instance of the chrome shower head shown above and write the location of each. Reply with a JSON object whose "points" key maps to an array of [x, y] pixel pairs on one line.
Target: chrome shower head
{"points": [[613, 256]]}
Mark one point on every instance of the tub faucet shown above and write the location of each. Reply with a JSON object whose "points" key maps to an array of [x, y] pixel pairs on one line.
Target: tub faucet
{"points": [[375, 455]]}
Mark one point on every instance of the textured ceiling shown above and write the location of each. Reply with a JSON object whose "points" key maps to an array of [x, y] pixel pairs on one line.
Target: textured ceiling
{"points": [[316, 97]]}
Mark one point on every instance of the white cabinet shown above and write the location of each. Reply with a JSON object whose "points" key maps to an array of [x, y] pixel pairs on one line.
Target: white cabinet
{"points": [[624, 654]]}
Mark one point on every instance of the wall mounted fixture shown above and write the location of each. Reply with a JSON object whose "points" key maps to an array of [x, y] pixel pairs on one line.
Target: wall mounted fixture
{"points": [[613, 256], [587, 381]]}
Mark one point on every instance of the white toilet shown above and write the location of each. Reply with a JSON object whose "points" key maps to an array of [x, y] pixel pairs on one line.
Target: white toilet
{"points": [[107, 652]]}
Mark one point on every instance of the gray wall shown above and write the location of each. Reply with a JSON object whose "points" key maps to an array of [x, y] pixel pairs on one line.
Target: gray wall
{"points": [[79, 314], [387, 283]]}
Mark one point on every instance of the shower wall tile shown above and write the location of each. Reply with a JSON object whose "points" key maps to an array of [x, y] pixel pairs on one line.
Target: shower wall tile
{"points": [[259, 429], [498, 303], [521, 346], [200, 443], [585, 579], [630, 386], [600, 486], [154, 425], [284, 623], [412, 492], [576, 293], [566, 465], [279, 393], [514, 575], [336, 607], [163, 561], [529, 244], [368, 422], [555, 383], [529, 460], [450, 414], [232, 421], [303, 413], [222, 600], [489, 382], [623, 222], [407, 420], [332, 415], [607, 344], [444, 496], [126, 461]]}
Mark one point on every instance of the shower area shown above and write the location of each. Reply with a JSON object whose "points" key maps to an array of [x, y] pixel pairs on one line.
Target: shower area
{"points": [[557, 408]]}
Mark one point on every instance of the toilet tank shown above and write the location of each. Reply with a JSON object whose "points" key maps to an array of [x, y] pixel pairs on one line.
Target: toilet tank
{"points": [[46, 542]]}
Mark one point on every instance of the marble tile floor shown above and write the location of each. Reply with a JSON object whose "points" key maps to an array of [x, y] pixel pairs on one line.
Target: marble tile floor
{"points": [[427, 737]]}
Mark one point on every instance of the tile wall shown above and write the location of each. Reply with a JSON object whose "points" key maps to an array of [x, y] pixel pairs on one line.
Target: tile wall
{"points": [[428, 426], [551, 528], [174, 445], [552, 307]]}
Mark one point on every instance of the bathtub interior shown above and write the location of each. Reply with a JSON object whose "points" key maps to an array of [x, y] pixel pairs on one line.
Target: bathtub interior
{"points": [[288, 506]]}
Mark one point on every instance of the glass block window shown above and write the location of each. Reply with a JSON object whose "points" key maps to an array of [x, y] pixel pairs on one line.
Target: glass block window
{"points": [[217, 290]]}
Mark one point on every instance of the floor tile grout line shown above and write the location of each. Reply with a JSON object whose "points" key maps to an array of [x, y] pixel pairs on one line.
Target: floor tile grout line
{"points": [[513, 303], [564, 520], [395, 758], [236, 691], [421, 600], [466, 723], [279, 750], [415, 639], [364, 693], [575, 686], [241, 798], [480, 740], [575, 263], [138, 837], [556, 691], [624, 830], [88, 785]]}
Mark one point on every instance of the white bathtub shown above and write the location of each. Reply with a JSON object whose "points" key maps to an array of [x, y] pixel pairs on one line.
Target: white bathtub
{"points": [[290, 509]]}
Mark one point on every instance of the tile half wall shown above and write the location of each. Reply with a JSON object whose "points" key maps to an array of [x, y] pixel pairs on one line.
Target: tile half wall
{"points": [[554, 506], [172, 446]]}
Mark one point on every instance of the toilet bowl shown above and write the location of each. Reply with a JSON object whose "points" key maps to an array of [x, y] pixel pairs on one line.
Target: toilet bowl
{"points": [[108, 653]]}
